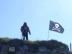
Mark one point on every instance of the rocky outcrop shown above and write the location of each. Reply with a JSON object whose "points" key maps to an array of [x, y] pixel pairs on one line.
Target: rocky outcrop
{"points": [[17, 46]]}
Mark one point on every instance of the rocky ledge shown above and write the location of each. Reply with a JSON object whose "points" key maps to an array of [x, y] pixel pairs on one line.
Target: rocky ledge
{"points": [[17, 46]]}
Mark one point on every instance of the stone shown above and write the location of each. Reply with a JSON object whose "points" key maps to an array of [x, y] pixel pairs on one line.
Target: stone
{"points": [[3, 52], [54, 51], [28, 53], [18, 53], [25, 47], [42, 49], [11, 49], [4, 48], [48, 51]]}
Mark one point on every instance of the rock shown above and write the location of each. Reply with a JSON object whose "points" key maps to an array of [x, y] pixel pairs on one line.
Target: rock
{"points": [[54, 51], [4, 48], [25, 47], [18, 53], [48, 51], [11, 49], [28, 53], [62, 50], [42, 49]]}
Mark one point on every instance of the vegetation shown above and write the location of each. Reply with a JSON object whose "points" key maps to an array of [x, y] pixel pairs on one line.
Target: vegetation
{"points": [[51, 44]]}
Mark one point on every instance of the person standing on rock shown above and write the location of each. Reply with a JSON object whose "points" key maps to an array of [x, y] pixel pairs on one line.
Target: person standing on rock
{"points": [[24, 30]]}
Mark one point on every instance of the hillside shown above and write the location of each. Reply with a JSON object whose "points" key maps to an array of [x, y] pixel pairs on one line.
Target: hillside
{"points": [[33, 46]]}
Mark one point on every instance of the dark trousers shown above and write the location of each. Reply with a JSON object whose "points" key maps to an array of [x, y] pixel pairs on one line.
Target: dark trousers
{"points": [[25, 35]]}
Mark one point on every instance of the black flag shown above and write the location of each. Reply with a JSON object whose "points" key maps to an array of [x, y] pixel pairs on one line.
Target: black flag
{"points": [[54, 26]]}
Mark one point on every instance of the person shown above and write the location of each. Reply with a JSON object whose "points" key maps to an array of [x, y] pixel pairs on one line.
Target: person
{"points": [[25, 30]]}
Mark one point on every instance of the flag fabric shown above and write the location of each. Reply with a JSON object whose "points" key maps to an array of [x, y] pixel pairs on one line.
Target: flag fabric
{"points": [[54, 26]]}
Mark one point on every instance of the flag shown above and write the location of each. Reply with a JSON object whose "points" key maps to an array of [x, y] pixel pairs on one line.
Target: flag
{"points": [[54, 26]]}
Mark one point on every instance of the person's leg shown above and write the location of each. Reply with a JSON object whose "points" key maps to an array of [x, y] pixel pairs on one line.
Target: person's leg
{"points": [[26, 36], [23, 36]]}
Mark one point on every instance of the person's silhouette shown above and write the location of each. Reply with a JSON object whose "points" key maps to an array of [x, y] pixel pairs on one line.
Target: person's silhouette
{"points": [[25, 29]]}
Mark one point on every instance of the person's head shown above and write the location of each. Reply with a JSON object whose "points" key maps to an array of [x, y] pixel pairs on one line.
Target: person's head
{"points": [[25, 24]]}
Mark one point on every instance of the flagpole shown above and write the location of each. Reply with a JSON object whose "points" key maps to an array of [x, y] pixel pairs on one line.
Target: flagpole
{"points": [[48, 35], [48, 31], [70, 46]]}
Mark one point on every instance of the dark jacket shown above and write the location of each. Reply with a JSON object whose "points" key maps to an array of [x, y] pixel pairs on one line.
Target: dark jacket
{"points": [[25, 29]]}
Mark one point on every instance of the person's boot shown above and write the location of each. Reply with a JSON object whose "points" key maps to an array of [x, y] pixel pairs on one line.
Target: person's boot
{"points": [[23, 38]]}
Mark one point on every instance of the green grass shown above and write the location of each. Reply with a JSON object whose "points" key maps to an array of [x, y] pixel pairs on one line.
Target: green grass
{"points": [[51, 44]]}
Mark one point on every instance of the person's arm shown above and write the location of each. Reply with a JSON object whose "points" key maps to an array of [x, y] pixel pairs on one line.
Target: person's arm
{"points": [[21, 29], [29, 31]]}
